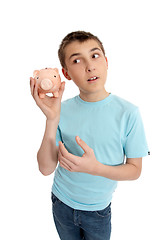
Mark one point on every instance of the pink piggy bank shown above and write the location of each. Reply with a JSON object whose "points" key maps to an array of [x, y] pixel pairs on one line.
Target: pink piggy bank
{"points": [[48, 80]]}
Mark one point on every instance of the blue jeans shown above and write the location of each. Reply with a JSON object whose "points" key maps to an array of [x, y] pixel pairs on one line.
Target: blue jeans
{"points": [[74, 224]]}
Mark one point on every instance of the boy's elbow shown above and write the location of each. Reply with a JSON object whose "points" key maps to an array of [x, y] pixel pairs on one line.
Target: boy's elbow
{"points": [[46, 172], [139, 170], [137, 175]]}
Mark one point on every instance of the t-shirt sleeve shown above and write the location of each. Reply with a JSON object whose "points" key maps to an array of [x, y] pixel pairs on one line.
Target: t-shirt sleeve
{"points": [[58, 136], [135, 139]]}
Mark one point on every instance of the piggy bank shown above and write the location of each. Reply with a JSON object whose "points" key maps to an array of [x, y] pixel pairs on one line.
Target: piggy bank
{"points": [[48, 81]]}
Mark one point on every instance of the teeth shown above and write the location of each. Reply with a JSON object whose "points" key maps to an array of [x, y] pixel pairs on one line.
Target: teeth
{"points": [[93, 78]]}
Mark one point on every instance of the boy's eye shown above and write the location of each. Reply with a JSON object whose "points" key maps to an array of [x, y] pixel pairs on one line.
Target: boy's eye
{"points": [[95, 55], [76, 61]]}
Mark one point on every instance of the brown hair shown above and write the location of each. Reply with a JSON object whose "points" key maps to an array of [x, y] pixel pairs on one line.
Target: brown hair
{"points": [[80, 36]]}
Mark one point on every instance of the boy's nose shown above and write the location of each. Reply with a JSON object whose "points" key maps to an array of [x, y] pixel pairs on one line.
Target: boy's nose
{"points": [[90, 68]]}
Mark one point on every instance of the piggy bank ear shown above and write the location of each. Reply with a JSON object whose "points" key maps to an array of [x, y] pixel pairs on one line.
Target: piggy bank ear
{"points": [[35, 73], [56, 69]]}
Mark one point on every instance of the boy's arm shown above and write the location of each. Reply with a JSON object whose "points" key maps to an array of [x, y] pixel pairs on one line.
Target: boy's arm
{"points": [[131, 170], [88, 163], [47, 155]]}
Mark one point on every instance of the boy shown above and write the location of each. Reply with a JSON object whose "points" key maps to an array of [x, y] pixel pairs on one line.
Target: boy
{"points": [[89, 135]]}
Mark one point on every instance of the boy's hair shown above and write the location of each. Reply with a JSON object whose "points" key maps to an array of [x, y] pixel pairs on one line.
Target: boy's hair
{"points": [[80, 36]]}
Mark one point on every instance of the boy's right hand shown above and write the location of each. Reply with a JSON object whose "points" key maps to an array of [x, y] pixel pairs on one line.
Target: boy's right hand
{"points": [[50, 106]]}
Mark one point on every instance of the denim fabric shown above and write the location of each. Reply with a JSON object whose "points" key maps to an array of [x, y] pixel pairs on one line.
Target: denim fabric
{"points": [[72, 224]]}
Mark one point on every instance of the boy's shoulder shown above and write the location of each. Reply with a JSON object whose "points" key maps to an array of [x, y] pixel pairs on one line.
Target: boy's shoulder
{"points": [[123, 103]]}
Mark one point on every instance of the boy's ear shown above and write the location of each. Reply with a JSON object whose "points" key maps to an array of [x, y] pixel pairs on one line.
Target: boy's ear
{"points": [[106, 61], [65, 74]]}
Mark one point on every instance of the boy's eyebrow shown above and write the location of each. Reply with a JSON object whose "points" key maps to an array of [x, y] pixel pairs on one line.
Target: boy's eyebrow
{"points": [[77, 54], [74, 54], [93, 49]]}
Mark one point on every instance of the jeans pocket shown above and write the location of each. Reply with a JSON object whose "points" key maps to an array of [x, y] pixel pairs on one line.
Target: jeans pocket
{"points": [[104, 212], [54, 199]]}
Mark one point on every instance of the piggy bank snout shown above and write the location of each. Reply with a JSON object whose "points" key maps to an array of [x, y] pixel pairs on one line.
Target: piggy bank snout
{"points": [[46, 84]]}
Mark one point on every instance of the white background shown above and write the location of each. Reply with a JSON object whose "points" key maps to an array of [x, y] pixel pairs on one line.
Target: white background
{"points": [[31, 32]]}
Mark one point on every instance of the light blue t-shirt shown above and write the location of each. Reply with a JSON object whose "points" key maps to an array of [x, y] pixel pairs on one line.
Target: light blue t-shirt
{"points": [[113, 128]]}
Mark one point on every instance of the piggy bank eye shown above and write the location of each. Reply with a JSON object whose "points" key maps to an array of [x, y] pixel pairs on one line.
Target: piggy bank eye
{"points": [[37, 77], [54, 75]]}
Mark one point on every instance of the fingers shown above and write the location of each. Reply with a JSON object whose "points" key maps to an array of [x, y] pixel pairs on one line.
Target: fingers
{"points": [[71, 158], [34, 90], [65, 163], [35, 94], [31, 85], [62, 164], [63, 150]]}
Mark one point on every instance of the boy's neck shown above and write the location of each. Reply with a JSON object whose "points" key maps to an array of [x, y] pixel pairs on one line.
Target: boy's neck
{"points": [[94, 97]]}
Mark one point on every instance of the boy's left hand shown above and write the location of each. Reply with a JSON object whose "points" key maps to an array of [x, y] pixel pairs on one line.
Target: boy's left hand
{"points": [[86, 164]]}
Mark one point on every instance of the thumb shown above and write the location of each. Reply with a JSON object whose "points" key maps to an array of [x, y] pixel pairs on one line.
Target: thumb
{"points": [[82, 144], [61, 89]]}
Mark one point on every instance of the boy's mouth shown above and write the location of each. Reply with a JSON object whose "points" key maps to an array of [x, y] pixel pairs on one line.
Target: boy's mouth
{"points": [[92, 79]]}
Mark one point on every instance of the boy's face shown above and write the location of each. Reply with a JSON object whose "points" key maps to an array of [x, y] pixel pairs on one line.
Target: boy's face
{"points": [[85, 61]]}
